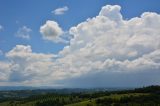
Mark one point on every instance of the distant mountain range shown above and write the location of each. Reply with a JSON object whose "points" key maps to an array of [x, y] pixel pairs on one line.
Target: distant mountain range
{"points": [[2, 88]]}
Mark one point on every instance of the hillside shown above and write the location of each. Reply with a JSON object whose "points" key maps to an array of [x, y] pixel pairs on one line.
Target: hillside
{"points": [[146, 96]]}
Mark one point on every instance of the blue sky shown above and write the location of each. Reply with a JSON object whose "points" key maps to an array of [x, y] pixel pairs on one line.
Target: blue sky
{"points": [[27, 17]]}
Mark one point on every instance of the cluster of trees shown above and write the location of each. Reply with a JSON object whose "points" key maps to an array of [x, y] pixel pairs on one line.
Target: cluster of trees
{"points": [[61, 99], [143, 100], [52, 99]]}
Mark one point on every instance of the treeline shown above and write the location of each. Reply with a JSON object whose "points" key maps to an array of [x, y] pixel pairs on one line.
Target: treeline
{"points": [[154, 89], [62, 99], [55, 99]]}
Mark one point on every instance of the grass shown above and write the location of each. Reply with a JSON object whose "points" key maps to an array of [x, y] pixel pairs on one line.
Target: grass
{"points": [[92, 102], [89, 102], [17, 104]]}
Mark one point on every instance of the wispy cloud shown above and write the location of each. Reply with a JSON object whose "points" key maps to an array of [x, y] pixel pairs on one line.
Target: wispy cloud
{"points": [[1, 27], [23, 32], [60, 11]]}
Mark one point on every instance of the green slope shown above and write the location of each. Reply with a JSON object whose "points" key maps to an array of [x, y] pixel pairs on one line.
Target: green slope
{"points": [[92, 102]]}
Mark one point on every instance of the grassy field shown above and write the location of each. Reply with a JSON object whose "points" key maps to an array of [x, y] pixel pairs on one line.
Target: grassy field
{"points": [[92, 102], [89, 102]]}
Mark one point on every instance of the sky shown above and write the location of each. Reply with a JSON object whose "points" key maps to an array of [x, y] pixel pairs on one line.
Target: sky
{"points": [[79, 43]]}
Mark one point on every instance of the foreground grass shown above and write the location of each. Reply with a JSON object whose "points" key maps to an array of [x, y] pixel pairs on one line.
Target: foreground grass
{"points": [[89, 102], [92, 102]]}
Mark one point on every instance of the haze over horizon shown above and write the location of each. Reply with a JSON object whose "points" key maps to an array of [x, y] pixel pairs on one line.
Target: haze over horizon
{"points": [[68, 43]]}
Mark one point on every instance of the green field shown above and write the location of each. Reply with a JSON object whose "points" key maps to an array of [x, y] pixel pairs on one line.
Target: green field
{"points": [[92, 102], [89, 102]]}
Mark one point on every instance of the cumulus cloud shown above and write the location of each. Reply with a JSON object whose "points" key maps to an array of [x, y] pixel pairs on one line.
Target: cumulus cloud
{"points": [[108, 44], [105, 50], [23, 32], [24, 67], [28, 66], [60, 11], [52, 31], [112, 12], [4, 71]]}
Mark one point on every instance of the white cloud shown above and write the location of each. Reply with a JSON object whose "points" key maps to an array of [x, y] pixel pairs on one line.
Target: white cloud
{"points": [[24, 67], [27, 67], [107, 43], [105, 50], [23, 32], [4, 71], [52, 31], [112, 12], [60, 11]]}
